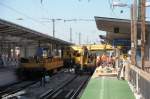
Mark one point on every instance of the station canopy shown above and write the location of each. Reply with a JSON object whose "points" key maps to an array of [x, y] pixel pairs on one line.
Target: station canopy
{"points": [[10, 32], [117, 28]]}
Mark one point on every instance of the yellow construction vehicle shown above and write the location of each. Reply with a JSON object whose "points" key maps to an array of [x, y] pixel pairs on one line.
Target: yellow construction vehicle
{"points": [[39, 65], [85, 55], [68, 57]]}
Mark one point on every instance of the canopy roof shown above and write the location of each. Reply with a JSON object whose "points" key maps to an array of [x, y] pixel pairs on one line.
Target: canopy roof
{"points": [[13, 33], [123, 27]]}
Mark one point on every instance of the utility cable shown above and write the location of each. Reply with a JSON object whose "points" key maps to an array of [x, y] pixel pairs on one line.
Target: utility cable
{"points": [[4, 5]]}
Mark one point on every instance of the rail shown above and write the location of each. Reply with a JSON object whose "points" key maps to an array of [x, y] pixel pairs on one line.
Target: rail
{"points": [[50, 92], [76, 93], [147, 66], [140, 80], [69, 90], [10, 92]]}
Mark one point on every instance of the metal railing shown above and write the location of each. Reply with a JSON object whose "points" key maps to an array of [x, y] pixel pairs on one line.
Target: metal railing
{"points": [[147, 66], [141, 81], [147, 69]]}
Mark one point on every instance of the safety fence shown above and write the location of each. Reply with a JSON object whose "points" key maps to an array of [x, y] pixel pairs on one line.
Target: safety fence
{"points": [[140, 80]]}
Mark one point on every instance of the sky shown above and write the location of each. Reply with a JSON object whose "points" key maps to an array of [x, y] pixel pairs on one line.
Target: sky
{"points": [[35, 15]]}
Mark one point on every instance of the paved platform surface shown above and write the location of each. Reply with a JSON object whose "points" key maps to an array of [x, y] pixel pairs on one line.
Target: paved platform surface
{"points": [[7, 76], [107, 88]]}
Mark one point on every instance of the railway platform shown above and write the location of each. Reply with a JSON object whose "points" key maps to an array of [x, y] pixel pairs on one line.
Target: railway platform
{"points": [[107, 87]]}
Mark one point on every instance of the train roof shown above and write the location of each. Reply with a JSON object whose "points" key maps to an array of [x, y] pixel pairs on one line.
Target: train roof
{"points": [[93, 47]]}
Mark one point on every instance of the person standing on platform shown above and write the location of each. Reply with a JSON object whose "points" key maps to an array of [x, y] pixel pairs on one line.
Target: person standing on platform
{"points": [[98, 61], [104, 59], [1, 61]]}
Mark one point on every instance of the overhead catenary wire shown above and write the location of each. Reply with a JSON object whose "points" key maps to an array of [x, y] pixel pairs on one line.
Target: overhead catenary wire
{"points": [[67, 20], [112, 8], [117, 3], [11, 8], [21, 13], [53, 20], [44, 9]]}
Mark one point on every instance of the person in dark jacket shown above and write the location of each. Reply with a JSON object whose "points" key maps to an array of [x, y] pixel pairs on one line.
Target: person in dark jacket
{"points": [[1, 61]]}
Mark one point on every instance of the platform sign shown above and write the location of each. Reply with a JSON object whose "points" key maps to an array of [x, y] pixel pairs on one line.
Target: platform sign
{"points": [[121, 42]]}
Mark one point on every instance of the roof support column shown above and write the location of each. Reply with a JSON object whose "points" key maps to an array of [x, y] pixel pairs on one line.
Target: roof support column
{"points": [[51, 48], [25, 51], [1, 47], [142, 33], [133, 32], [117, 58]]}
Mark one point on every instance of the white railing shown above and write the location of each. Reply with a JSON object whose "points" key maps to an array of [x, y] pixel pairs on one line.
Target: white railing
{"points": [[140, 80]]}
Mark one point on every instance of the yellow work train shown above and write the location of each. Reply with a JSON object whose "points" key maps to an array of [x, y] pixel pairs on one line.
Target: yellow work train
{"points": [[85, 55], [37, 68], [80, 57], [39, 65]]}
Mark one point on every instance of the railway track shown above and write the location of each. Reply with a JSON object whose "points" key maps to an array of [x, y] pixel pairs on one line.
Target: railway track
{"points": [[2, 88], [63, 84], [51, 92], [15, 88], [37, 91], [71, 89]]}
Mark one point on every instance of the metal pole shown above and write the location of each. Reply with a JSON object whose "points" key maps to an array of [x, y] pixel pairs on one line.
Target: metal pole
{"points": [[135, 39], [132, 37], [139, 10], [142, 32], [135, 30], [87, 40], [53, 20], [79, 38], [70, 34]]}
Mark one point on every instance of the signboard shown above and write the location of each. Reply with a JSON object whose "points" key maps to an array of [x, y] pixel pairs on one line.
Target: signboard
{"points": [[121, 42]]}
